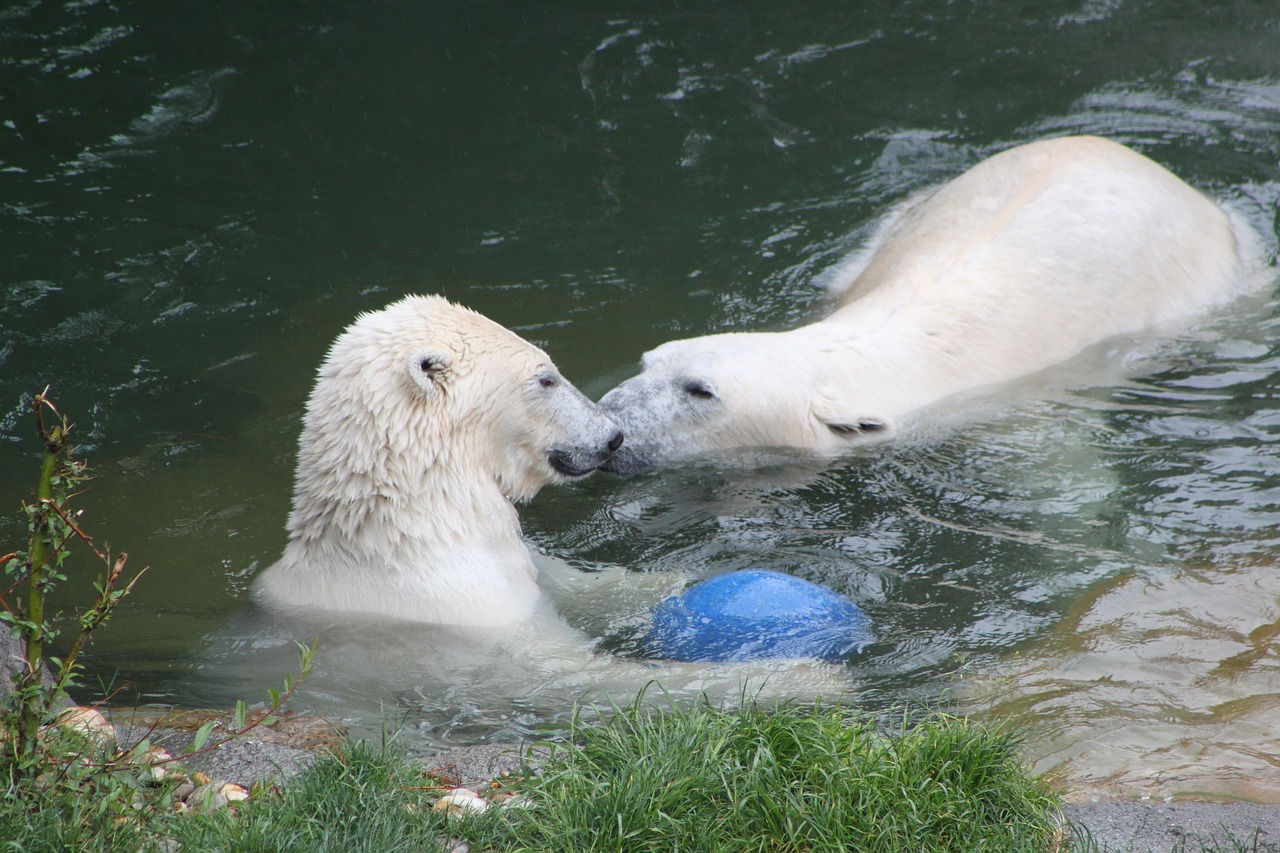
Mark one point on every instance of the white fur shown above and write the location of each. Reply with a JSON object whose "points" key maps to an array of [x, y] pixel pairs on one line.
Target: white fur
{"points": [[426, 422], [1017, 264]]}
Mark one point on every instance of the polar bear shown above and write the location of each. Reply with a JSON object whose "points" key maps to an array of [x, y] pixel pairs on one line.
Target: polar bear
{"points": [[426, 423], [1017, 264]]}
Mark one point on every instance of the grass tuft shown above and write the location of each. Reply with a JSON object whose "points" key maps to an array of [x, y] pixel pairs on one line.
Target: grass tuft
{"points": [[786, 779], [358, 798]]}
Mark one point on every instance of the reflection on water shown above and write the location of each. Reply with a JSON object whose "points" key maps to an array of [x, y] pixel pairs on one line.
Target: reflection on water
{"points": [[195, 198], [1159, 684]]}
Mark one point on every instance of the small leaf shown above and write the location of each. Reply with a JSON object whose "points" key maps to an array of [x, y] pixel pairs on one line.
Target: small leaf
{"points": [[202, 736]]}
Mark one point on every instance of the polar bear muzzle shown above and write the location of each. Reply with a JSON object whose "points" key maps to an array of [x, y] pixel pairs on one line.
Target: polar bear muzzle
{"points": [[581, 461]]}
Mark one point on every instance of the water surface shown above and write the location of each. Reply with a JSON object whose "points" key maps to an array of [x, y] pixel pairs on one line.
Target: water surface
{"points": [[194, 199]]}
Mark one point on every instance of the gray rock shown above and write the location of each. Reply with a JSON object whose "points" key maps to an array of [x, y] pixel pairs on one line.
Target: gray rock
{"points": [[479, 765], [243, 761], [271, 754], [1159, 827], [13, 662]]}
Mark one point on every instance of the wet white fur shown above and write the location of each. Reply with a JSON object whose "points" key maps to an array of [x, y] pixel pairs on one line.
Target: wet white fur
{"points": [[426, 422], [1015, 265]]}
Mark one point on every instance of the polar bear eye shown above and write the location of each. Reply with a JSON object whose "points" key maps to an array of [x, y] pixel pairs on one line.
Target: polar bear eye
{"points": [[547, 380], [699, 389]]}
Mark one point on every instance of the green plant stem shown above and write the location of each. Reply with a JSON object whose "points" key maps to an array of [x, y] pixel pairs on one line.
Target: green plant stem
{"points": [[29, 717]]}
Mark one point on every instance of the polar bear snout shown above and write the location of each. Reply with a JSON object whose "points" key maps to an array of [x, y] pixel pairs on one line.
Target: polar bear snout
{"points": [[581, 436], [644, 410], [578, 462]]}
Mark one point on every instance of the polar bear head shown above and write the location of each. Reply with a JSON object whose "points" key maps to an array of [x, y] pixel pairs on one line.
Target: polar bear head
{"points": [[425, 384], [426, 422], [722, 392]]}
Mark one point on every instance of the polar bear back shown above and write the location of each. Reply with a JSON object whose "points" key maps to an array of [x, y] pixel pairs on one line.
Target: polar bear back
{"points": [[1036, 239]]}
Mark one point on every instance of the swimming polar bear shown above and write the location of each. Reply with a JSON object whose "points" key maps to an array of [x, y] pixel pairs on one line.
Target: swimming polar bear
{"points": [[426, 423], [1016, 265]]}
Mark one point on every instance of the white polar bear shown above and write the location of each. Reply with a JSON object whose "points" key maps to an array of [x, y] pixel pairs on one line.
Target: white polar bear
{"points": [[426, 422], [1017, 264]]}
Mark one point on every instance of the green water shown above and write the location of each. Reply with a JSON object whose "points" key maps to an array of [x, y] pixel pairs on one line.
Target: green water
{"points": [[195, 198]]}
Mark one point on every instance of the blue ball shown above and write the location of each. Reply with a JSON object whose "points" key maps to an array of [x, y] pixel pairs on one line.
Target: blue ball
{"points": [[757, 615]]}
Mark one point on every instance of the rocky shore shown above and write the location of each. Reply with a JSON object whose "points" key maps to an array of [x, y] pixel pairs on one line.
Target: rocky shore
{"points": [[1119, 826]]}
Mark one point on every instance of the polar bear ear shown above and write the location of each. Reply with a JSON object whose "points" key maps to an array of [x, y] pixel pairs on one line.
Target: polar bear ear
{"points": [[429, 368]]}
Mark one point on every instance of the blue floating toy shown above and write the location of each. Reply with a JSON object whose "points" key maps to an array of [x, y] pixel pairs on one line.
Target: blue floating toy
{"points": [[757, 615]]}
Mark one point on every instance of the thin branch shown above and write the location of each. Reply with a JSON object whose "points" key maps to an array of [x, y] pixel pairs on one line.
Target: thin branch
{"points": [[84, 537]]}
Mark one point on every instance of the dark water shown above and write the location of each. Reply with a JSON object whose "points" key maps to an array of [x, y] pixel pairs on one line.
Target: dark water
{"points": [[195, 198]]}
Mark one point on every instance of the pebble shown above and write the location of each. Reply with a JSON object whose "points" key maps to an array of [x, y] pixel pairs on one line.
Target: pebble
{"points": [[157, 759], [460, 802], [206, 798], [212, 796], [89, 722], [453, 845], [234, 793]]}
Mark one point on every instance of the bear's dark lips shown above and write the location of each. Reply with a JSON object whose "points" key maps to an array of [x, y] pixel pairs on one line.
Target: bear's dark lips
{"points": [[562, 463]]}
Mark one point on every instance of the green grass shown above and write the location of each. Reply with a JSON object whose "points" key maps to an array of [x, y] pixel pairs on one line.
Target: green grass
{"points": [[790, 779], [357, 799], [675, 779], [77, 806], [58, 824]]}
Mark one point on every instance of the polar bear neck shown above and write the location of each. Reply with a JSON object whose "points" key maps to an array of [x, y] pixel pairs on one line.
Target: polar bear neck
{"points": [[397, 524], [880, 356]]}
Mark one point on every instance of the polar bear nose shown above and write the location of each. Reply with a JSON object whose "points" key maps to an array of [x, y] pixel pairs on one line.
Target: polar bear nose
{"points": [[616, 441]]}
